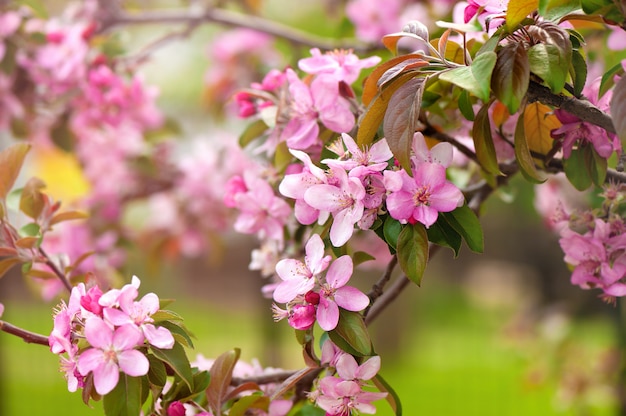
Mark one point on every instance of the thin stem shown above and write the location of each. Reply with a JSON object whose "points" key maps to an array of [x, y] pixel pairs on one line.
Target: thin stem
{"points": [[377, 289], [27, 336], [277, 377], [55, 269], [229, 18]]}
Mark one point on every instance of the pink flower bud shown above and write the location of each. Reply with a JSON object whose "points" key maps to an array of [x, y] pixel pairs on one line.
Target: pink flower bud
{"points": [[176, 409]]}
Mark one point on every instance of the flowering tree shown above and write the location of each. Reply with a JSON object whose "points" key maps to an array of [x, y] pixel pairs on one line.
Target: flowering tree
{"points": [[398, 136]]}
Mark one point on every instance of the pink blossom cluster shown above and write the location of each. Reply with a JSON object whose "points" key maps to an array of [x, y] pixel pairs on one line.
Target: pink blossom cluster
{"points": [[297, 110], [346, 392], [576, 132], [310, 294], [99, 335]]}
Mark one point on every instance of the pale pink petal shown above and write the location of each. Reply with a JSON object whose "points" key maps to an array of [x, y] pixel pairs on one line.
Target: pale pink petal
{"points": [[400, 205], [160, 337], [347, 367], [304, 213], [150, 303], [133, 363], [327, 314], [351, 298], [287, 290], [380, 152], [98, 333], [446, 198], [426, 215], [116, 316], [325, 197], [89, 360], [106, 376], [368, 369], [340, 271], [343, 225], [127, 337]]}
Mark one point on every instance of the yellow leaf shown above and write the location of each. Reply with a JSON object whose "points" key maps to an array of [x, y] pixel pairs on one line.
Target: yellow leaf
{"points": [[61, 172], [518, 10], [538, 123]]}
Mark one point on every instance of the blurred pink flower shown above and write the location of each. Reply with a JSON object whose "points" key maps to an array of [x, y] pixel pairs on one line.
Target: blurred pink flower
{"points": [[343, 65], [372, 21]]}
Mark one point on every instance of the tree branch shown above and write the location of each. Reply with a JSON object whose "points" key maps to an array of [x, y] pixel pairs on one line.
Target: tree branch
{"points": [[115, 17], [582, 109], [55, 269], [377, 289], [27, 336]]}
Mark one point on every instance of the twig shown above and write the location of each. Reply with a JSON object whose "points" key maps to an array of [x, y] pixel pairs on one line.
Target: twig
{"points": [[582, 109], [55, 269], [27, 336], [277, 377], [233, 19], [377, 289]]}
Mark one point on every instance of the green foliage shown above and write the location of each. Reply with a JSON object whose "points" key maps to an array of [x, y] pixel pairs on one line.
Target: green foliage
{"points": [[177, 360], [466, 223], [523, 156], [392, 397], [483, 142], [127, 397], [585, 167], [413, 251], [351, 334], [475, 78]]}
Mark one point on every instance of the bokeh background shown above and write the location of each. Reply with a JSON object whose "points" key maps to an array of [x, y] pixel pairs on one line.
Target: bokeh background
{"points": [[502, 333]]}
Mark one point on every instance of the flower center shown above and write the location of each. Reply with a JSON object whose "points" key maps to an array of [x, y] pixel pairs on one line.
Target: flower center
{"points": [[422, 196]]}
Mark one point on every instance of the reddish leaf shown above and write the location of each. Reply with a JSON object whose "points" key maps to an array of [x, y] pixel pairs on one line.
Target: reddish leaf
{"points": [[511, 75], [539, 121], [221, 375], [289, 383], [6, 264], [27, 242], [11, 160], [401, 119], [522, 154], [371, 86], [68, 216]]}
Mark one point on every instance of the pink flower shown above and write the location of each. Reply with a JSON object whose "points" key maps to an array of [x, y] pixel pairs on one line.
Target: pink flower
{"points": [[295, 185], [422, 197], [363, 162], [308, 105], [485, 9], [298, 277], [334, 294], [261, 211], [349, 369], [301, 317], [441, 153], [574, 131], [372, 21], [344, 201], [113, 350], [342, 64], [176, 409]]}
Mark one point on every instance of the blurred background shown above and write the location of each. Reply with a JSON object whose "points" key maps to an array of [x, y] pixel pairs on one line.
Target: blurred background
{"points": [[502, 333]]}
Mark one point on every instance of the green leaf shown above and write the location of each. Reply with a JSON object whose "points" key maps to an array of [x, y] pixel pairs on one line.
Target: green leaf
{"points": [[466, 223], [157, 375], [177, 359], [511, 75], [392, 397], [360, 257], [30, 230], [179, 331], [465, 106], [523, 156], [252, 132], [518, 10], [475, 78], [413, 251], [252, 401], [391, 231], [11, 160], [126, 398], [596, 165], [576, 170], [32, 201], [401, 120], [578, 72], [166, 315], [352, 332], [483, 142], [443, 234], [221, 375], [608, 78], [548, 63]]}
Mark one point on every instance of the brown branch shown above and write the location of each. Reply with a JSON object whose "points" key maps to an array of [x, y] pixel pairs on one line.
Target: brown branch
{"points": [[115, 17], [55, 269], [582, 109], [377, 289], [277, 377], [27, 336]]}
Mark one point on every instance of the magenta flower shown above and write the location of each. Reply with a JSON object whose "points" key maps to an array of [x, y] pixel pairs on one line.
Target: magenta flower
{"points": [[363, 161], [334, 294], [113, 350], [345, 397], [574, 131], [298, 277], [422, 197], [344, 202], [308, 105]]}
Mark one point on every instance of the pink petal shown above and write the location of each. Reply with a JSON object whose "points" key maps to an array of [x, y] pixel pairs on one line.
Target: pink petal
{"points": [[98, 333], [327, 314], [342, 228], [351, 298], [325, 197], [368, 369], [127, 337], [150, 303], [116, 316], [347, 367], [133, 363], [314, 254], [340, 271], [105, 377], [160, 337], [89, 360], [426, 215], [400, 205]]}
